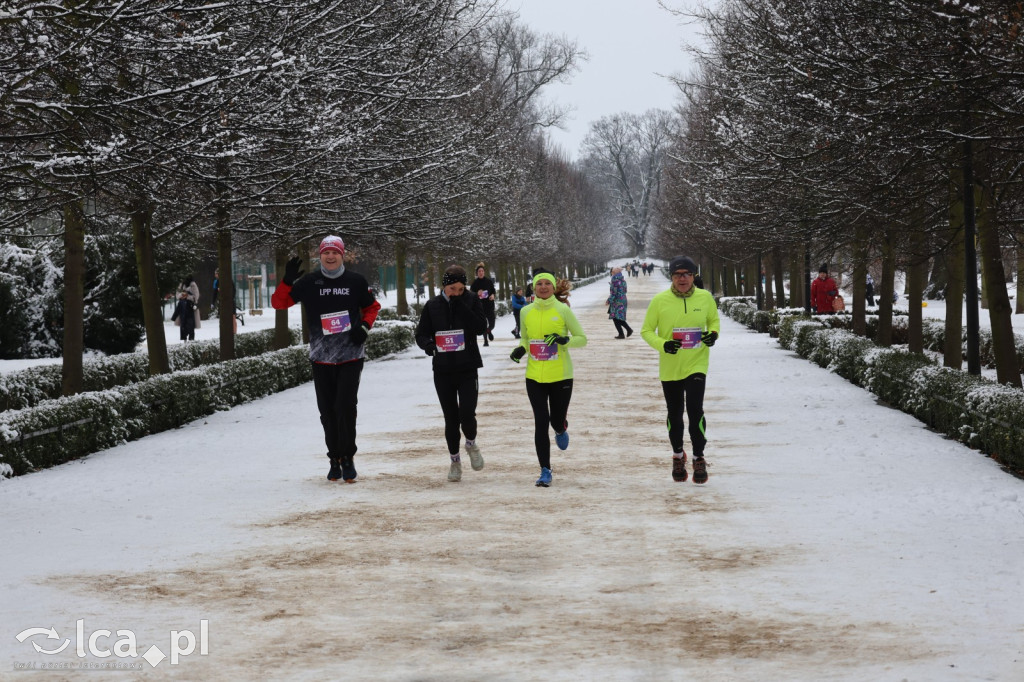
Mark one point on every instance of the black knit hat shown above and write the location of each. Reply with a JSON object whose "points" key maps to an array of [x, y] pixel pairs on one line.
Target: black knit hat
{"points": [[682, 263], [823, 268]]}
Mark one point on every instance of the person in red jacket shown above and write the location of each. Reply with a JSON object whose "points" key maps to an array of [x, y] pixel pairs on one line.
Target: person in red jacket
{"points": [[823, 292], [340, 310]]}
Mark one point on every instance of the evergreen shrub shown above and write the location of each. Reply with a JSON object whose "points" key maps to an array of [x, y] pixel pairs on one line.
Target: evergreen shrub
{"points": [[976, 411]]}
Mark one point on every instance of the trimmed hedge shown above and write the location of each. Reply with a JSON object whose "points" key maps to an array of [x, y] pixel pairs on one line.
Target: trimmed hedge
{"points": [[972, 409], [59, 430], [31, 386]]}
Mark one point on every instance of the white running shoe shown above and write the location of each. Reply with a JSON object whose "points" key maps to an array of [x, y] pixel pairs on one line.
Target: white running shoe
{"points": [[476, 460], [455, 473]]}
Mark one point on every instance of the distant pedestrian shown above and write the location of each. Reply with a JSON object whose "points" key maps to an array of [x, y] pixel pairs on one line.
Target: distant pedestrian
{"points": [[617, 304], [184, 317], [823, 292], [549, 330], [518, 303], [191, 290], [215, 302], [869, 290], [483, 287], [447, 331]]}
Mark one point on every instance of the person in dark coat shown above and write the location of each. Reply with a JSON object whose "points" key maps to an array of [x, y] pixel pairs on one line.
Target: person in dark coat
{"points": [[518, 303], [483, 287], [184, 317], [447, 331]]}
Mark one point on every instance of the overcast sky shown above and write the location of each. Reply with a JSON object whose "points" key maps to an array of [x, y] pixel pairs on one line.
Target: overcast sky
{"points": [[629, 42]]}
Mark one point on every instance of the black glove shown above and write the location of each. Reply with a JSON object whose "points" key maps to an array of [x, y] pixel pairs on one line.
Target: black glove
{"points": [[672, 346], [291, 271], [517, 353], [430, 349], [359, 334], [709, 338], [552, 339]]}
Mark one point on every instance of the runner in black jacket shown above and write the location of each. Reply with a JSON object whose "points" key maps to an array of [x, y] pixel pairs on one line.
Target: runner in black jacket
{"points": [[447, 330], [483, 287], [340, 309]]}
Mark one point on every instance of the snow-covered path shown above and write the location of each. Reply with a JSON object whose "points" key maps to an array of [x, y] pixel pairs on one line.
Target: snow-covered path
{"points": [[836, 539]]}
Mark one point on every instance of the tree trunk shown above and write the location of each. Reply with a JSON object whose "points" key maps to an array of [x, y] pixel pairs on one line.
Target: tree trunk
{"points": [[780, 288], [402, 305], [74, 297], [796, 285], [145, 264], [227, 287], [917, 274], [769, 272], [860, 279], [282, 336], [938, 279], [1020, 274], [502, 281], [886, 288], [1007, 369], [953, 351], [430, 276]]}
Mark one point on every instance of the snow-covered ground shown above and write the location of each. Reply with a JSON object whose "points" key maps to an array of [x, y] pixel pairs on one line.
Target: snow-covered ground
{"points": [[836, 539]]}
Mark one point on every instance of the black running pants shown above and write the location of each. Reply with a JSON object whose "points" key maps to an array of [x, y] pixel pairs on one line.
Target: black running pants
{"points": [[689, 394], [337, 389], [457, 393], [550, 404]]}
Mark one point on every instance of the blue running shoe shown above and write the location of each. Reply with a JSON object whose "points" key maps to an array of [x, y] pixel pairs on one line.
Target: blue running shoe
{"points": [[562, 439], [545, 478]]}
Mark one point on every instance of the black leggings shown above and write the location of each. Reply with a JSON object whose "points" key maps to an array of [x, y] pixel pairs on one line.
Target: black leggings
{"points": [[688, 392], [621, 326], [550, 404], [457, 394]]}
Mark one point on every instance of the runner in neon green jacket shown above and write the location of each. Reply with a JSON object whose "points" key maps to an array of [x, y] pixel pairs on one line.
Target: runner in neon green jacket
{"points": [[682, 324], [549, 329]]}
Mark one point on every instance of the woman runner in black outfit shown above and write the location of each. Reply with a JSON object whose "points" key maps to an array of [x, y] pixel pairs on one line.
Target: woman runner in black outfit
{"points": [[447, 331]]}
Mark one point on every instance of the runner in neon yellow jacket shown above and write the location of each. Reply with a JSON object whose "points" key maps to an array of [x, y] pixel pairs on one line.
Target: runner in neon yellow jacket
{"points": [[682, 324], [668, 311], [549, 329]]}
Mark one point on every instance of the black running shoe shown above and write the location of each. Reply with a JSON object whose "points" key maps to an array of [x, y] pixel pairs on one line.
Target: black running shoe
{"points": [[700, 470], [679, 468], [348, 470], [335, 473]]}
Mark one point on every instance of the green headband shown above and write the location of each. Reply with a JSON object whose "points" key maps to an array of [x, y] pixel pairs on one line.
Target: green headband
{"points": [[545, 275]]}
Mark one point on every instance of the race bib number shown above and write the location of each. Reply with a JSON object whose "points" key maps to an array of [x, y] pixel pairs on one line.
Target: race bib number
{"points": [[483, 294], [688, 336], [541, 351], [335, 323], [450, 341]]}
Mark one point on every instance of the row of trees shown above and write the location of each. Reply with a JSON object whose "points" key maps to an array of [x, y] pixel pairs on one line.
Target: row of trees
{"points": [[213, 128], [864, 131]]}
